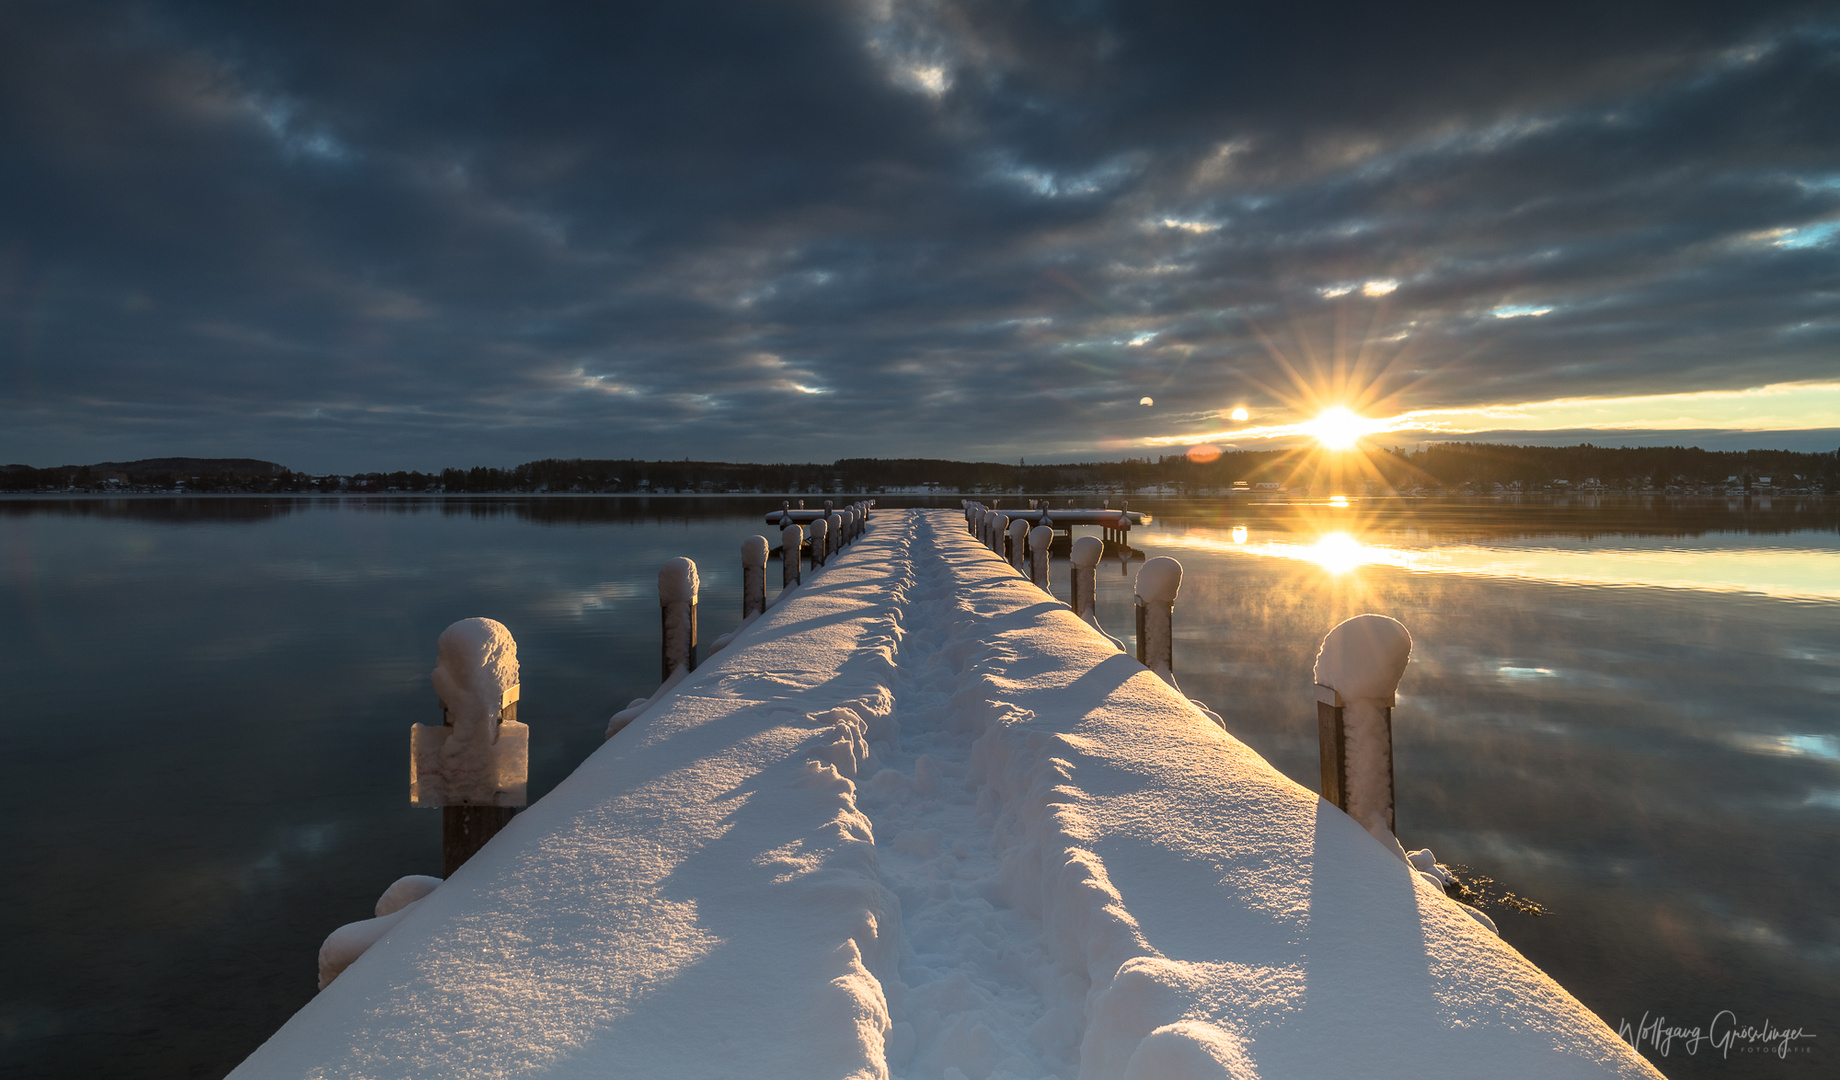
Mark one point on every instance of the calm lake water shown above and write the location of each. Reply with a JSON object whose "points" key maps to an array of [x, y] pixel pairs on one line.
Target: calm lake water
{"points": [[1626, 714]]}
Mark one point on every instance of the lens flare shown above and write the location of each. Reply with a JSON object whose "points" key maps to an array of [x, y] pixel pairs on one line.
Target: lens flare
{"points": [[1337, 552], [1204, 453], [1337, 428]]}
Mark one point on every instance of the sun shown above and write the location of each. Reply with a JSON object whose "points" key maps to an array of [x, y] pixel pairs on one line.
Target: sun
{"points": [[1337, 428]]}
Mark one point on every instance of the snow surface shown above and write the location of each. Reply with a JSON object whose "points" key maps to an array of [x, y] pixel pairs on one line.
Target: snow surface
{"points": [[917, 821]]}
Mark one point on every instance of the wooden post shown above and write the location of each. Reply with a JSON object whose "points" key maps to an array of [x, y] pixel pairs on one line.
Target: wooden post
{"points": [[1357, 680], [1158, 581], [677, 586], [475, 764], [818, 542], [1083, 588], [753, 576], [1041, 537], [1018, 541], [836, 532], [999, 534], [791, 553]]}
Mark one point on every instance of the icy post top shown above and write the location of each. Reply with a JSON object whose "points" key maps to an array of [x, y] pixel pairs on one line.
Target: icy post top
{"points": [[677, 581], [754, 552], [1040, 537], [476, 676], [1363, 658], [819, 528], [1087, 551], [791, 537], [1159, 579]]}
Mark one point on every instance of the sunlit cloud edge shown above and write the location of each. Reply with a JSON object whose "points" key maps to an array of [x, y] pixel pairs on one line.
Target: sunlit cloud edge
{"points": [[1809, 405]]}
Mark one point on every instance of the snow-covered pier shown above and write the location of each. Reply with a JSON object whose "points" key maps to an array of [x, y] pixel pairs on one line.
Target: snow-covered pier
{"points": [[919, 819]]}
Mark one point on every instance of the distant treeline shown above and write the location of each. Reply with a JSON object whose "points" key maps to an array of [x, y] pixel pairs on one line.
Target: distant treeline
{"points": [[1436, 466]]}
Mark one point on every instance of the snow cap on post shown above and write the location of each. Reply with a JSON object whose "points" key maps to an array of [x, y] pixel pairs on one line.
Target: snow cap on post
{"points": [[1041, 537], [1018, 541], [753, 552], [476, 676], [1158, 580], [819, 543], [476, 758], [1363, 658], [1087, 551], [677, 582]]}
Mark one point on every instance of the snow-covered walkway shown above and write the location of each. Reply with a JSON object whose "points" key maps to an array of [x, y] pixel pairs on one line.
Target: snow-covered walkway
{"points": [[920, 820]]}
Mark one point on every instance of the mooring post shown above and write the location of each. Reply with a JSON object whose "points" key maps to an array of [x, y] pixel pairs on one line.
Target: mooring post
{"points": [[836, 540], [1018, 541], [999, 534], [1357, 680], [1083, 585], [677, 612], [1040, 538], [791, 552], [753, 576], [1158, 580], [476, 763], [818, 541]]}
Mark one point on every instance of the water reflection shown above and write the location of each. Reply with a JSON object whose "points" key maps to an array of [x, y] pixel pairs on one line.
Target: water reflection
{"points": [[1628, 721], [1811, 573]]}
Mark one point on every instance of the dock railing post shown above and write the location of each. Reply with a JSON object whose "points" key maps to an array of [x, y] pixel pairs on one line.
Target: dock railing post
{"points": [[1083, 583], [753, 576], [836, 538], [1357, 680], [1041, 537], [819, 541], [791, 555], [475, 765], [677, 587], [1158, 581], [999, 534], [1018, 541]]}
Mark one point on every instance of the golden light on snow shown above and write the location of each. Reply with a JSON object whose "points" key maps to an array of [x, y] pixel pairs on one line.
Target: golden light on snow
{"points": [[1239, 415]]}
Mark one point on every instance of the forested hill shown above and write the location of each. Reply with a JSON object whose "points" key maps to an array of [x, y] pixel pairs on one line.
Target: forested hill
{"points": [[1438, 466]]}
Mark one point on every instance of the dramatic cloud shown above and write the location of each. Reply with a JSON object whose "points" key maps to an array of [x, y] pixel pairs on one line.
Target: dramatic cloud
{"points": [[413, 234]]}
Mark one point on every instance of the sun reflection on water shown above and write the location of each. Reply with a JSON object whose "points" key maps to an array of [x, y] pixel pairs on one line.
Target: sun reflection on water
{"points": [[1788, 573]]}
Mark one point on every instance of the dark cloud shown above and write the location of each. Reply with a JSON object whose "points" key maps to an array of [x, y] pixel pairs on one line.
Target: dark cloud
{"points": [[423, 234]]}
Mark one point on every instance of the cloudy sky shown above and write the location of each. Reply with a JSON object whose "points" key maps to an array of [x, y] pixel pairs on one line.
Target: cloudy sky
{"points": [[416, 234]]}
